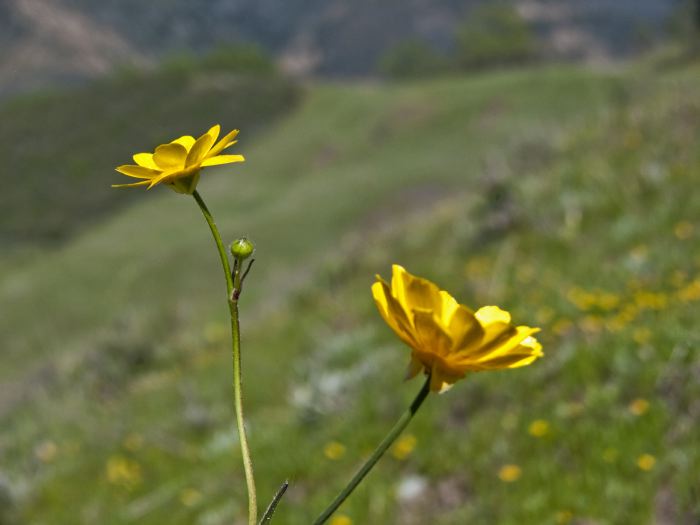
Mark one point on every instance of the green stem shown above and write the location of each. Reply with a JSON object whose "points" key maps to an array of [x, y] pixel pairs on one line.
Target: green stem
{"points": [[233, 282], [399, 426], [267, 517]]}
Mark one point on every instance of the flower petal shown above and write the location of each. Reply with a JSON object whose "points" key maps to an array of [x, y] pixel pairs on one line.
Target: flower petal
{"points": [[465, 329], [415, 292], [448, 307], [222, 159], [138, 172], [186, 140], [145, 160], [169, 156], [492, 314], [505, 345], [225, 142], [431, 336], [168, 176], [392, 313], [132, 184], [202, 146]]}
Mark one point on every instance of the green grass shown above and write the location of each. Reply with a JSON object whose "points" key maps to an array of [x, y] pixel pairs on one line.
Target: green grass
{"points": [[57, 147], [565, 196]]}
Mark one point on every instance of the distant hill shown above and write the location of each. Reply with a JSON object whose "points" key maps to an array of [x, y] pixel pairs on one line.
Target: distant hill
{"points": [[63, 40]]}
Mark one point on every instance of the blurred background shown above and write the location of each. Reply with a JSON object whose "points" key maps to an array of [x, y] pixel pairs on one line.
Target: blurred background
{"points": [[536, 154]]}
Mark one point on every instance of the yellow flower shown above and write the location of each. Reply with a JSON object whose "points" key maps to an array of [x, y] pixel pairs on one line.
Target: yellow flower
{"points": [[404, 446], [340, 519], [510, 473], [123, 471], [646, 462], [538, 428], [179, 162], [639, 406], [334, 450], [448, 339], [683, 230]]}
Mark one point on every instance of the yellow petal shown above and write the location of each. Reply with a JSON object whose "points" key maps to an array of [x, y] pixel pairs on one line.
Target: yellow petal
{"points": [[131, 185], [492, 314], [186, 140], [167, 176], [392, 313], [431, 336], [222, 159], [465, 330], [448, 306], [225, 142], [213, 132], [415, 292], [510, 343], [201, 147], [138, 172], [145, 160], [169, 156], [513, 360]]}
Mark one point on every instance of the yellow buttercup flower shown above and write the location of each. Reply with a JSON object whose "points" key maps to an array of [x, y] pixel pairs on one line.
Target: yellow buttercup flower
{"points": [[448, 339], [179, 162]]}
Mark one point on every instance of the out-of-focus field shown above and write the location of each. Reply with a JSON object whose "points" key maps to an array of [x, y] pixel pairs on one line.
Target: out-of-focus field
{"points": [[565, 196]]}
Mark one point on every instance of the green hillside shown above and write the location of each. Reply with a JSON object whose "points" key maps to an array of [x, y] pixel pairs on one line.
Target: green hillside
{"points": [[565, 196]]}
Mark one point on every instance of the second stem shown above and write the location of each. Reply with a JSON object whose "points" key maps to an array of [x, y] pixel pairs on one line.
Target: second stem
{"points": [[233, 282]]}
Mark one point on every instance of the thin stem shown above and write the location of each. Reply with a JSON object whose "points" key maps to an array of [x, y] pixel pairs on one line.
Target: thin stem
{"points": [[399, 426], [233, 282], [217, 240]]}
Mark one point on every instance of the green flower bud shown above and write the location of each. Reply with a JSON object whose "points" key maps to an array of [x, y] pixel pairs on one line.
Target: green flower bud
{"points": [[242, 248]]}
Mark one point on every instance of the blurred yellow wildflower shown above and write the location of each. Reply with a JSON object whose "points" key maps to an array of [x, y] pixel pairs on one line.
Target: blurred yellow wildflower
{"points": [[404, 446], [580, 298], [607, 300], [448, 339], [123, 471], [340, 519], [641, 335], [690, 292], [563, 517], [646, 462], [190, 497], [334, 450], [538, 428], [510, 473], [179, 162], [638, 407], [683, 230], [651, 300]]}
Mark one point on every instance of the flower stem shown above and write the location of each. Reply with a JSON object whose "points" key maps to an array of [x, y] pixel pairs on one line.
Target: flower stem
{"points": [[233, 282], [399, 426]]}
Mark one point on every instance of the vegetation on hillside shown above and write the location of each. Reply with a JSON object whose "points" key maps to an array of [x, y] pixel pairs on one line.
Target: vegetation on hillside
{"points": [[563, 195], [60, 141]]}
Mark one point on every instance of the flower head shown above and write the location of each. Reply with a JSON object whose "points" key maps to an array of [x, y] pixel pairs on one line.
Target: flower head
{"points": [[448, 339], [179, 162]]}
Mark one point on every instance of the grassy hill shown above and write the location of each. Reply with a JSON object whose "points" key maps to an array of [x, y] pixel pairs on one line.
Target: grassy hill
{"points": [[57, 146], [562, 195]]}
